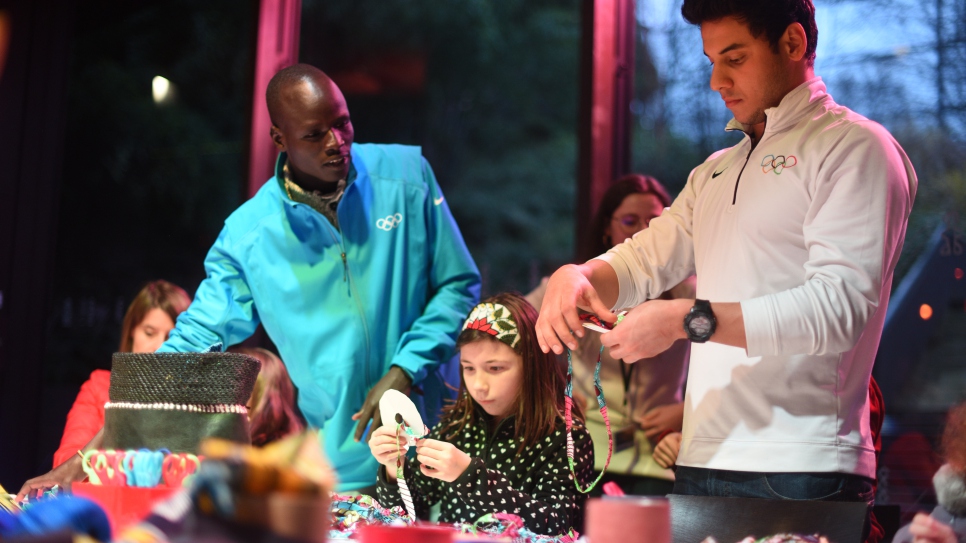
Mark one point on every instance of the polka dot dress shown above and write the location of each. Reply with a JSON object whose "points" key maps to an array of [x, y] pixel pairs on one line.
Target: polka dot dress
{"points": [[535, 483]]}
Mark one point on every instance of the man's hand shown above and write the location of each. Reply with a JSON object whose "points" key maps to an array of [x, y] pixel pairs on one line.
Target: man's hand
{"points": [[666, 452], [441, 460], [661, 419], [647, 330], [395, 379], [61, 476], [568, 289], [925, 529]]}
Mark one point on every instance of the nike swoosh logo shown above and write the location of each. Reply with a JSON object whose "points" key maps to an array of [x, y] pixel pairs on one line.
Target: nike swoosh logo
{"points": [[716, 174], [439, 200]]}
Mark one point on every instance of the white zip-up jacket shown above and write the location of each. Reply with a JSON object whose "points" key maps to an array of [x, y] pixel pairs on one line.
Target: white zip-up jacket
{"points": [[804, 231]]}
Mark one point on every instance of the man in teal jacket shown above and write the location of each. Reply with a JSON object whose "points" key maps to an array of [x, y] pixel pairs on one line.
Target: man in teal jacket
{"points": [[350, 259]]}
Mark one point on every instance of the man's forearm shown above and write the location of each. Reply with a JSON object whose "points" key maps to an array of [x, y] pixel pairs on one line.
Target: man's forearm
{"points": [[604, 279], [731, 325]]}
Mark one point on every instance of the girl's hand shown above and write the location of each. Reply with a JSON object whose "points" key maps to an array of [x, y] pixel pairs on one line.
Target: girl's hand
{"points": [[441, 460], [386, 447], [661, 419], [666, 452]]}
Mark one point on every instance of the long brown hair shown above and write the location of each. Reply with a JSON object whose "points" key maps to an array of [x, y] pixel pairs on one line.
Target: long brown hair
{"points": [[160, 294], [540, 402], [623, 187], [272, 415]]}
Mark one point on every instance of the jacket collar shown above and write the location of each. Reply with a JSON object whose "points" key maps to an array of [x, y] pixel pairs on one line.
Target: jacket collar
{"points": [[357, 172], [796, 105]]}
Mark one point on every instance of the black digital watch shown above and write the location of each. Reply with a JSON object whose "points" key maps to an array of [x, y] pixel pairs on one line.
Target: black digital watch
{"points": [[700, 323]]}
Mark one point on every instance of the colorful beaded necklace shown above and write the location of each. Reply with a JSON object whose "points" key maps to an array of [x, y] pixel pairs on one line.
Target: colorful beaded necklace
{"points": [[568, 419]]}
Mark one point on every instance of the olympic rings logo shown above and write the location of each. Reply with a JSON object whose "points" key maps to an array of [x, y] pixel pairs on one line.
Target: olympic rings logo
{"points": [[777, 164], [389, 222]]}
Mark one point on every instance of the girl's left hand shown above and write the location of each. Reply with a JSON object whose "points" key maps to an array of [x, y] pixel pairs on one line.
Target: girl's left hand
{"points": [[441, 460], [666, 451]]}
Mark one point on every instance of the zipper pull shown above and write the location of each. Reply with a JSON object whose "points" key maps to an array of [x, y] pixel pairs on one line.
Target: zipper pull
{"points": [[345, 269]]}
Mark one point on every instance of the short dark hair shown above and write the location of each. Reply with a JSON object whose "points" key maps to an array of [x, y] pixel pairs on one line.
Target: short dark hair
{"points": [[769, 17], [286, 77]]}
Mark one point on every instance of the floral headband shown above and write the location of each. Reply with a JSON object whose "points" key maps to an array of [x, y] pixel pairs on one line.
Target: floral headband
{"points": [[496, 320]]}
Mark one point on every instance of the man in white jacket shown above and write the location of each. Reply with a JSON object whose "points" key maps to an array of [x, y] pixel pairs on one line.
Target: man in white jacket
{"points": [[794, 234]]}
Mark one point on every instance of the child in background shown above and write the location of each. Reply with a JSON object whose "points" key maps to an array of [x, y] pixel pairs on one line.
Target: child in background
{"points": [[271, 410], [502, 446]]}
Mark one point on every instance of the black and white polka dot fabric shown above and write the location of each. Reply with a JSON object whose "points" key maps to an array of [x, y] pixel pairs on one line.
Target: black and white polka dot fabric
{"points": [[535, 484]]}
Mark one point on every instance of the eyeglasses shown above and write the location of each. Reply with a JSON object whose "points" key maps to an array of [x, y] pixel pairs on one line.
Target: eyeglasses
{"points": [[632, 221]]}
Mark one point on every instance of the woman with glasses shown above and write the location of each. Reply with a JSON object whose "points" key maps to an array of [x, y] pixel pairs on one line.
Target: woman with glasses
{"points": [[643, 399]]}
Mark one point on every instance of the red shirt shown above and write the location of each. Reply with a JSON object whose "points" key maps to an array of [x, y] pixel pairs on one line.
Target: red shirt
{"points": [[86, 416], [876, 418]]}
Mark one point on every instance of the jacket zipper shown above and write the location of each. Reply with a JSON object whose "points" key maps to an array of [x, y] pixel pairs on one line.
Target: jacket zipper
{"points": [[353, 294], [735, 197]]}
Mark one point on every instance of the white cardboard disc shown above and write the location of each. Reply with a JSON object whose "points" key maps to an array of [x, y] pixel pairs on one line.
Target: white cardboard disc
{"points": [[394, 402]]}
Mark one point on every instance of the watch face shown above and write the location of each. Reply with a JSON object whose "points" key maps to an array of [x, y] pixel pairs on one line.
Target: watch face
{"points": [[700, 325]]}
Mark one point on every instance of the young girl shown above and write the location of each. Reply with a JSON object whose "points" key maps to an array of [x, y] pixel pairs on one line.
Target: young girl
{"points": [[272, 414], [502, 446]]}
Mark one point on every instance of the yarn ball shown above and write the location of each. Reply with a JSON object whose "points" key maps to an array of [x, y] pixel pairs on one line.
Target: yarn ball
{"points": [[77, 514]]}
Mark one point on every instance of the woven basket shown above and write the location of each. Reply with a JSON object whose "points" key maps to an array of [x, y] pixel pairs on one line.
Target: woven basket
{"points": [[164, 397], [183, 378]]}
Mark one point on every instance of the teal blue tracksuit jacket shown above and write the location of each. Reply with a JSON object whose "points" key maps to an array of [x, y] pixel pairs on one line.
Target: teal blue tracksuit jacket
{"points": [[391, 288]]}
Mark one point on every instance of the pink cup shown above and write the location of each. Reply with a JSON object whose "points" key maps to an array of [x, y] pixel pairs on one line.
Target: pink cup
{"points": [[628, 519], [375, 533]]}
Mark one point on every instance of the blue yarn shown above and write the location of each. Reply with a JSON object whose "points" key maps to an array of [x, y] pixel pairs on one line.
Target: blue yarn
{"points": [[147, 467], [80, 515]]}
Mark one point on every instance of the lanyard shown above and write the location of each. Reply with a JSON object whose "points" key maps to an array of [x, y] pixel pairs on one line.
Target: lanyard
{"points": [[568, 420], [627, 373], [407, 497]]}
